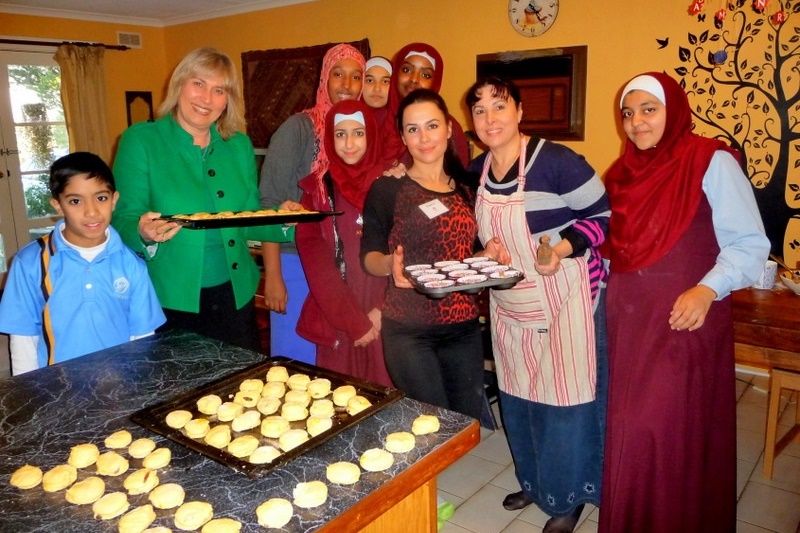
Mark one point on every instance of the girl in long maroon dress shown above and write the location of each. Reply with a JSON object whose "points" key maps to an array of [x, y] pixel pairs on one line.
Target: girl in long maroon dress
{"points": [[342, 313], [684, 232]]}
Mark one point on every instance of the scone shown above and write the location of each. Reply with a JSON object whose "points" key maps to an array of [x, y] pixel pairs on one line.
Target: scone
{"points": [[425, 424], [59, 478], [274, 513], [400, 442], [246, 398], [209, 404], [343, 473], [111, 464], [243, 446], [86, 491], [318, 424], [167, 496], [246, 420], [119, 439], [192, 515], [141, 448], [197, 428], [26, 477], [322, 408], [319, 388], [137, 520], [110, 506], [376, 459], [273, 389], [264, 454], [277, 373], [222, 525], [311, 494], [177, 419], [298, 381], [218, 436], [158, 458], [253, 384], [268, 405], [294, 411], [341, 395], [141, 481], [298, 396], [274, 426], [356, 404], [83, 455], [229, 410], [292, 439]]}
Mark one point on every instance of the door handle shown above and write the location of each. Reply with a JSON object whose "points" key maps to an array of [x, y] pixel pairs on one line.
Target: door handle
{"points": [[7, 151]]}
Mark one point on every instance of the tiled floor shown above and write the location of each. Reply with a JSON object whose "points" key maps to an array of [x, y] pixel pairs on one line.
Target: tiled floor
{"points": [[478, 482]]}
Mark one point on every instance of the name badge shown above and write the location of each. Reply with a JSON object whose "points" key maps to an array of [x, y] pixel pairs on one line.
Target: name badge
{"points": [[434, 208]]}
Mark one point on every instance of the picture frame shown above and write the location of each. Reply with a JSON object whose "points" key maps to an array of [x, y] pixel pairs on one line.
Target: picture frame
{"points": [[139, 106], [552, 84]]}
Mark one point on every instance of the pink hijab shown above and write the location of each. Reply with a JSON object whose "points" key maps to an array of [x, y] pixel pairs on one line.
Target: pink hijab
{"points": [[323, 102]]}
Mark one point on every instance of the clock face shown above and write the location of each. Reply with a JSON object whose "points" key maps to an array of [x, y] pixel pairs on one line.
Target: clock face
{"points": [[532, 17]]}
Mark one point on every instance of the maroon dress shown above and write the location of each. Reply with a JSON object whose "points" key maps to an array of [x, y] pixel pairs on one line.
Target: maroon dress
{"points": [[671, 435]]}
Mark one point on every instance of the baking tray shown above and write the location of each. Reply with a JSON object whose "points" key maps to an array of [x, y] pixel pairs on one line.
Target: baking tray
{"points": [[245, 221], [472, 288], [153, 417]]}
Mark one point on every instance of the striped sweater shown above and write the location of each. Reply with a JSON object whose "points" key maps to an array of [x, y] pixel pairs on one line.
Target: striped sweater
{"points": [[564, 198]]}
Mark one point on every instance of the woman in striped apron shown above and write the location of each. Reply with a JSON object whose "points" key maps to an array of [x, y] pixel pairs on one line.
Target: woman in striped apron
{"points": [[548, 332]]}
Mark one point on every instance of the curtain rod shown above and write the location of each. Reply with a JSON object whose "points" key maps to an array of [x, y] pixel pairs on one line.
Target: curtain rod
{"points": [[52, 43]]}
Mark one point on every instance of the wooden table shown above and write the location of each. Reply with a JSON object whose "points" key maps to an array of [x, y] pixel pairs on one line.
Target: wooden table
{"points": [[766, 328]]}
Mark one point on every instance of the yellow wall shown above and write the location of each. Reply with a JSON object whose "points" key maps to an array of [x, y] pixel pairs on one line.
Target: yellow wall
{"points": [[620, 38]]}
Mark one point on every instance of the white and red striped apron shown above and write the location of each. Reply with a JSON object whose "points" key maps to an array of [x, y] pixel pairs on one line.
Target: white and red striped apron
{"points": [[543, 328]]}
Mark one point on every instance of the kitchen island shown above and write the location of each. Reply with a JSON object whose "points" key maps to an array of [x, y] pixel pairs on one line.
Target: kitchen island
{"points": [[46, 412]]}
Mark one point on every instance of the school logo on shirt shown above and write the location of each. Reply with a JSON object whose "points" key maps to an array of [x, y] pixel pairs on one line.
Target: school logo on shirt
{"points": [[121, 285]]}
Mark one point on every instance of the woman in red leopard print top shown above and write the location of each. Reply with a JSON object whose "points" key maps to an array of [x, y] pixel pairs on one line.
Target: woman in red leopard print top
{"points": [[432, 347]]}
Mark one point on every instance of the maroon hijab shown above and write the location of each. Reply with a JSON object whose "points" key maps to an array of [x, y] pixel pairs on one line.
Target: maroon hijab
{"points": [[655, 193], [393, 147], [354, 181]]}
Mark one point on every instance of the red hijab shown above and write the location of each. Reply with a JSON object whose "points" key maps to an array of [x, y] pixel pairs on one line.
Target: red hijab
{"points": [[354, 181], [655, 193], [393, 147], [323, 102]]}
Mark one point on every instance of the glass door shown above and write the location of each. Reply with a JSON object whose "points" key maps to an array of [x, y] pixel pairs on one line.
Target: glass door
{"points": [[33, 134]]}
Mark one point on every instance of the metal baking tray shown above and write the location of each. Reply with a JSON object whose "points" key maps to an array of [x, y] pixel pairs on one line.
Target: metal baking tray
{"points": [[153, 417], [244, 221], [472, 288]]}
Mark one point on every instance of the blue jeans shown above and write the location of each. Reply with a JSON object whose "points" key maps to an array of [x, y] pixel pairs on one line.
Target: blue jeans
{"points": [[437, 364], [284, 339]]}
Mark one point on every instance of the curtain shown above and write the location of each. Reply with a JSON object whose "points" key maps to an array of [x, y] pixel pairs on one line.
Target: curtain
{"points": [[83, 94]]}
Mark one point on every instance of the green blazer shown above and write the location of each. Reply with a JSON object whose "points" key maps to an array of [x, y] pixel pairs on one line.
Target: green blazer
{"points": [[158, 168]]}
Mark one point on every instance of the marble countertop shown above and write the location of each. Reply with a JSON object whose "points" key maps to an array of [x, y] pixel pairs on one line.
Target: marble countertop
{"points": [[46, 412]]}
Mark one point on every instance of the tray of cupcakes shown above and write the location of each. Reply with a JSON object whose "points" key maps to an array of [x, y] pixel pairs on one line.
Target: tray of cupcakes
{"points": [[470, 275]]}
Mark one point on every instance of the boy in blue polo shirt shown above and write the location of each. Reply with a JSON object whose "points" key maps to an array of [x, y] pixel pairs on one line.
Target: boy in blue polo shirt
{"points": [[78, 289]]}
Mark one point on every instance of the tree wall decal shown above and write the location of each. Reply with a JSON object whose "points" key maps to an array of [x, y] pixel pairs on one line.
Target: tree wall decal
{"points": [[742, 76]]}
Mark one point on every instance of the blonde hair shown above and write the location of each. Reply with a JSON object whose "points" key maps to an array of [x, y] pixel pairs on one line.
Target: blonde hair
{"points": [[209, 62]]}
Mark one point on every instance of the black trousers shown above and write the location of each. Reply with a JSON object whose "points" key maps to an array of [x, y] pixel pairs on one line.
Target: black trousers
{"points": [[219, 319]]}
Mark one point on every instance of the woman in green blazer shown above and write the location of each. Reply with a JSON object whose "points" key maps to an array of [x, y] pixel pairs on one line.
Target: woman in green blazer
{"points": [[195, 159]]}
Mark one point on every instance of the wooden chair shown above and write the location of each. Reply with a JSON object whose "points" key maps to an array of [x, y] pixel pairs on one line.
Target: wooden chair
{"points": [[781, 379]]}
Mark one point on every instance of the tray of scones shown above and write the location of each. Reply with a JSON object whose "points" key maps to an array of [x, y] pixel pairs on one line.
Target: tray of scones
{"points": [[236, 219], [266, 415]]}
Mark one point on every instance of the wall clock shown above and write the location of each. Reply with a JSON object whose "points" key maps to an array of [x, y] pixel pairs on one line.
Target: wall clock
{"points": [[532, 17]]}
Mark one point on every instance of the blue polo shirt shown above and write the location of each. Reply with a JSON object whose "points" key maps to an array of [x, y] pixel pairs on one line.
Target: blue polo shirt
{"points": [[93, 305]]}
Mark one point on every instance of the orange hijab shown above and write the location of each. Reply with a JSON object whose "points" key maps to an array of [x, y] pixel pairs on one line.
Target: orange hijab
{"points": [[323, 102]]}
